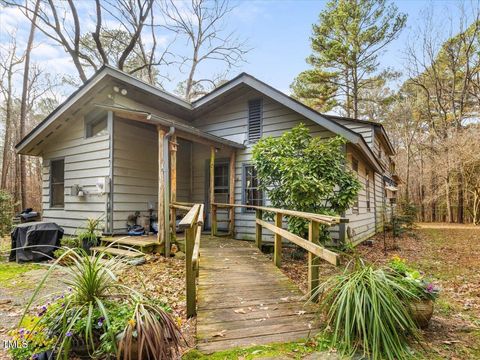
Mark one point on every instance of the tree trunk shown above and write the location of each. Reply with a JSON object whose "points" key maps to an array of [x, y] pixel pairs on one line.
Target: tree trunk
{"points": [[460, 197], [23, 106], [448, 199], [8, 132]]}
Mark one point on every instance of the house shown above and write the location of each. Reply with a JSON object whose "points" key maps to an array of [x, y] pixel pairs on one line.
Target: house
{"points": [[119, 146]]}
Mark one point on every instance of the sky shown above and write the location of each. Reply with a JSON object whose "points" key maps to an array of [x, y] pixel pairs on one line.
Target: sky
{"points": [[277, 32]]}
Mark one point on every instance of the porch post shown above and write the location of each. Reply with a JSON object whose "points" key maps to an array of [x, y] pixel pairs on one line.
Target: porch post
{"points": [[213, 212], [173, 182], [161, 188], [232, 193]]}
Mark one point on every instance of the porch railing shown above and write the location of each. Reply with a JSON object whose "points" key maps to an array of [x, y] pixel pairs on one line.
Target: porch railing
{"points": [[316, 252], [192, 223]]}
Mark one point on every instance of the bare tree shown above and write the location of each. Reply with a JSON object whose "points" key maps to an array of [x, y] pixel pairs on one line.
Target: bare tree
{"points": [[203, 24], [61, 23], [23, 103], [9, 61]]}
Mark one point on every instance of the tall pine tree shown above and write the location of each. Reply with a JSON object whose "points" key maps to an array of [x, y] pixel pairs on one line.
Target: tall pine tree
{"points": [[346, 44]]}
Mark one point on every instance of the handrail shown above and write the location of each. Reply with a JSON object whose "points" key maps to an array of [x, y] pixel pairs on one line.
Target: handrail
{"points": [[192, 223], [323, 219], [315, 250]]}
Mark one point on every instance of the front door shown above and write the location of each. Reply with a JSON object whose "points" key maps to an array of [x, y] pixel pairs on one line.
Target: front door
{"points": [[221, 189]]}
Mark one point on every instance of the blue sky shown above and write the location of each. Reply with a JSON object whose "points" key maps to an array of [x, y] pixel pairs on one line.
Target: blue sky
{"points": [[277, 31], [280, 33]]}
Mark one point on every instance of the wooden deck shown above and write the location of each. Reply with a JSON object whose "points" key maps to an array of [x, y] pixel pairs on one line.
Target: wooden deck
{"points": [[244, 300]]}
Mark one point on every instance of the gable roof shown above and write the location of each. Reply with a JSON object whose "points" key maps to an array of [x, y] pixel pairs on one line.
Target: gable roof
{"points": [[378, 127], [243, 79]]}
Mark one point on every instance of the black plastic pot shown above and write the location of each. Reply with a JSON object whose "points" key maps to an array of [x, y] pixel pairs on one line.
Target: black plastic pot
{"points": [[88, 243], [46, 355]]}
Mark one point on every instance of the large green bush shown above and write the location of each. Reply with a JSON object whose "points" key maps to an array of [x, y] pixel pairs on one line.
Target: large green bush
{"points": [[6, 212], [301, 172]]}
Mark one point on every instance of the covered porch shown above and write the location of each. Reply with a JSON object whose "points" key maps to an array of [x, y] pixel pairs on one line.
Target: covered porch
{"points": [[161, 166]]}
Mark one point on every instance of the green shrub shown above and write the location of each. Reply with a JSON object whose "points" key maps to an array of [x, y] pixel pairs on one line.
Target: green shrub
{"points": [[366, 310], [6, 212], [70, 242], [404, 218], [301, 172]]}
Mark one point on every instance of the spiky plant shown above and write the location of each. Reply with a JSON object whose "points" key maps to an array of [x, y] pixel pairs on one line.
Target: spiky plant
{"points": [[366, 311], [94, 290]]}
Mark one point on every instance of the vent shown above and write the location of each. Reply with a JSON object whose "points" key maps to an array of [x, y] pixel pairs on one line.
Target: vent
{"points": [[255, 119]]}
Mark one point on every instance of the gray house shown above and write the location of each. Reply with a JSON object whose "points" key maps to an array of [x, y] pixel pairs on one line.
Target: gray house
{"points": [[119, 146]]}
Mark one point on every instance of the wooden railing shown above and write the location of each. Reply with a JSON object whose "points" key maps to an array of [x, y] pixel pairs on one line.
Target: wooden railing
{"points": [[316, 252], [192, 223]]}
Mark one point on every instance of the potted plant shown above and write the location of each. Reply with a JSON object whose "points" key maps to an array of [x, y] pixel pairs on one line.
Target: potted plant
{"points": [[90, 236], [421, 307]]}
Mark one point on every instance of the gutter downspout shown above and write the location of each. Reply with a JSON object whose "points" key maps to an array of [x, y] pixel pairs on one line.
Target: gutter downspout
{"points": [[166, 195]]}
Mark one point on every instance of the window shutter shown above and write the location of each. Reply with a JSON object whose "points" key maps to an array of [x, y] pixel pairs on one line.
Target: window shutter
{"points": [[255, 119]]}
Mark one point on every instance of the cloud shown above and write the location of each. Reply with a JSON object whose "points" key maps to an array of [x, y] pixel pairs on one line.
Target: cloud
{"points": [[247, 12]]}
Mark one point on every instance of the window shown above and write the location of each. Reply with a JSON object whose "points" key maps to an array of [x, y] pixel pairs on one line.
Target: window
{"points": [[355, 168], [367, 188], [252, 195], [57, 183], [255, 120], [220, 182], [96, 124]]}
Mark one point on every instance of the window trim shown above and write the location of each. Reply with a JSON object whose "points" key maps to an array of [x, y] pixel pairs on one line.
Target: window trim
{"points": [[260, 100], [244, 189], [92, 119], [51, 184], [356, 204], [367, 191]]}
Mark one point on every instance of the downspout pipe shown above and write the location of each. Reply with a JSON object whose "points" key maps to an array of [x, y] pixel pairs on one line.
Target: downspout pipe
{"points": [[166, 195]]}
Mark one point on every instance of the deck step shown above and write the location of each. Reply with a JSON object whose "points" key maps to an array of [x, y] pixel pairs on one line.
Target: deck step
{"points": [[117, 251], [134, 241]]}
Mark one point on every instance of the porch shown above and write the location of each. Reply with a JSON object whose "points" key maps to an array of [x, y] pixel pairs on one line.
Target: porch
{"points": [[160, 168]]}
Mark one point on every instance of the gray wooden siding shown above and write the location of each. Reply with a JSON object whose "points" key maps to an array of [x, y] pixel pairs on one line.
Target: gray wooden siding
{"points": [[366, 130], [362, 225], [230, 121], [135, 170], [85, 161]]}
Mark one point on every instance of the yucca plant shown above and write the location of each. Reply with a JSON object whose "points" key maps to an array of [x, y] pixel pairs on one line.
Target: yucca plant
{"points": [[85, 312], [365, 310]]}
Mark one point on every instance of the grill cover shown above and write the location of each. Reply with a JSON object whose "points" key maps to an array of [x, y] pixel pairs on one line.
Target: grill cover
{"points": [[35, 241]]}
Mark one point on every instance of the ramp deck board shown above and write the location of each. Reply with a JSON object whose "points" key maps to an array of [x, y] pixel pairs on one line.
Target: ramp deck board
{"points": [[245, 300]]}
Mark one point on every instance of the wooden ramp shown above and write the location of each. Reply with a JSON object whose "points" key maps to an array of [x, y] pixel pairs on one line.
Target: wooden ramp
{"points": [[244, 300]]}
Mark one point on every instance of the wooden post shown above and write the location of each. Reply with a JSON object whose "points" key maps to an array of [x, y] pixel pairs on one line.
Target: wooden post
{"points": [[232, 193], [161, 188], [258, 229], [189, 271], [277, 251], [313, 262], [213, 210], [173, 183]]}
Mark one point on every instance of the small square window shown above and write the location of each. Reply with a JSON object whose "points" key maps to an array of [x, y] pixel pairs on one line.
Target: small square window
{"points": [[96, 127]]}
